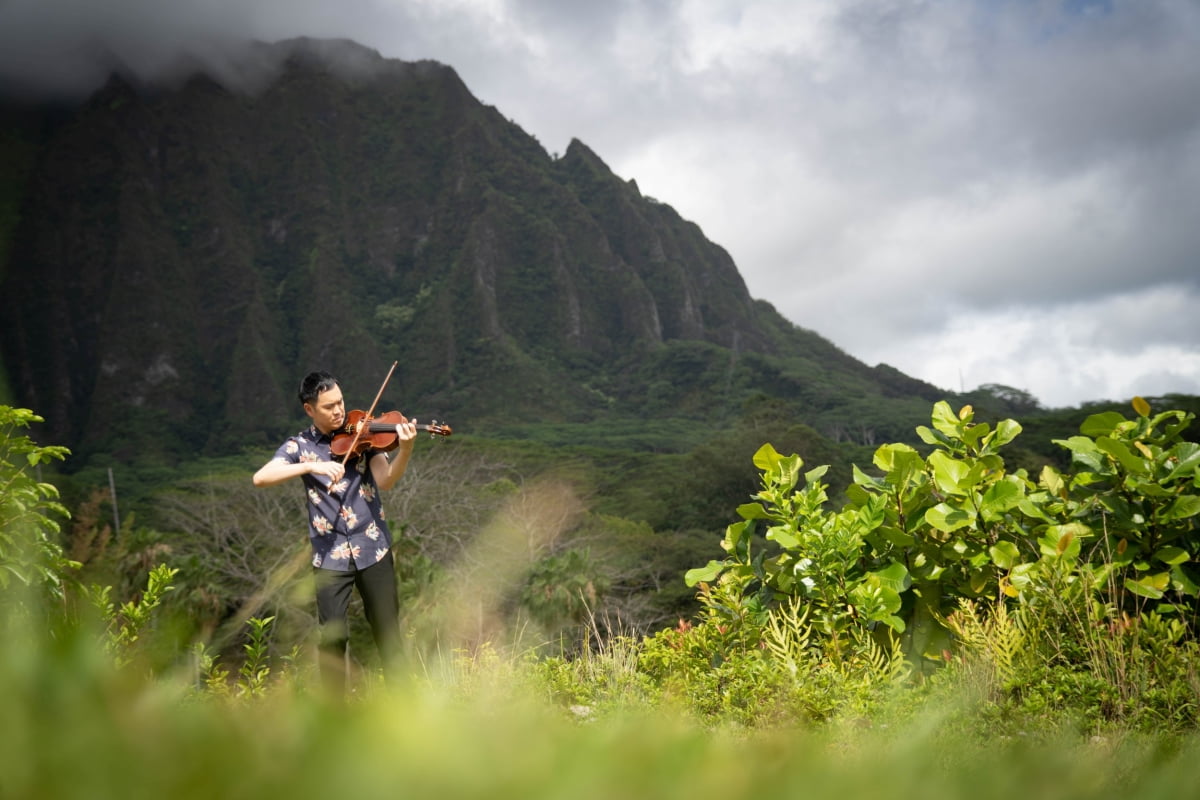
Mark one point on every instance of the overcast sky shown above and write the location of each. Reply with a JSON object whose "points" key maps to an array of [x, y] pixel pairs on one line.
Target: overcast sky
{"points": [[973, 191]]}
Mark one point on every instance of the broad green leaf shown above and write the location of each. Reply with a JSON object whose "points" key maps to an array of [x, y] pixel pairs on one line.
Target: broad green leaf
{"points": [[815, 474], [1052, 481], [978, 582], [1172, 555], [947, 518], [932, 437], [1141, 485], [857, 495], [757, 565], [863, 479], [1084, 451], [1101, 424], [784, 536], [1180, 582], [887, 455], [1077, 444], [949, 474], [1127, 458], [1151, 586], [1141, 407], [1122, 512], [871, 514], [1004, 554], [894, 576], [1034, 510], [1184, 506], [891, 599], [897, 537], [737, 538], [944, 419], [873, 600], [1063, 541], [1022, 576], [1101, 573], [707, 573], [789, 470], [752, 511], [899, 463], [930, 572], [975, 433], [766, 457], [1000, 497], [1006, 431], [1182, 421], [1187, 455]]}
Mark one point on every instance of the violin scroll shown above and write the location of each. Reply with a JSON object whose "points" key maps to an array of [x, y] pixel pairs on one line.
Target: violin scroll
{"points": [[435, 428]]}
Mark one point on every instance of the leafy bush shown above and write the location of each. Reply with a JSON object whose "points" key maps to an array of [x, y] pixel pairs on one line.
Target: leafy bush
{"points": [[30, 552], [919, 544]]}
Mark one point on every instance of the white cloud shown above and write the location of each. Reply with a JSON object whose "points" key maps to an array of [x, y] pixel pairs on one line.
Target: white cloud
{"points": [[1137, 343]]}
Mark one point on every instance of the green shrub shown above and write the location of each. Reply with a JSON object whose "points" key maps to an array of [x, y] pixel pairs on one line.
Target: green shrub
{"points": [[30, 554]]}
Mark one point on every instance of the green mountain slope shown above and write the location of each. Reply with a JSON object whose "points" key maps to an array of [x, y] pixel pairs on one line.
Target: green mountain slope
{"points": [[176, 257]]}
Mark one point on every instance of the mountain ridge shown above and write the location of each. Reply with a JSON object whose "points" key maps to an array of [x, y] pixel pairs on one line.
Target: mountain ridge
{"points": [[176, 256]]}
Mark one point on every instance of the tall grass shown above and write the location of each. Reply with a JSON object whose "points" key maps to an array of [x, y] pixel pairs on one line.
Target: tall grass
{"points": [[75, 725]]}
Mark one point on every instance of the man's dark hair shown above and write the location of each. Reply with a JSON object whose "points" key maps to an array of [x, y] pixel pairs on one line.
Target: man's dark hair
{"points": [[313, 384]]}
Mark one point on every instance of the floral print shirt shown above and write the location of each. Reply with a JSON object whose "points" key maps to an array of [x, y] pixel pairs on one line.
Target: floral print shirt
{"points": [[345, 518]]}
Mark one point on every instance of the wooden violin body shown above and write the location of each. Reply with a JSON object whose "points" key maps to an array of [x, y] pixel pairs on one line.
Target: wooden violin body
{"points": [[362, 433]]}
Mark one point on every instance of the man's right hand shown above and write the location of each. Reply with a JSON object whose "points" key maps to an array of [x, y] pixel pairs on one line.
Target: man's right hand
{"points": [[329, 469]]}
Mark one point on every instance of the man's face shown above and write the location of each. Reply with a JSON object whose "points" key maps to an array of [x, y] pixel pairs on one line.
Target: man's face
{"points": [[328, 412]]}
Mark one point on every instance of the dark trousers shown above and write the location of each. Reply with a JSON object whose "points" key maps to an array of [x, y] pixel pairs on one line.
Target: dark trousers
{"points": [[377, 587]]}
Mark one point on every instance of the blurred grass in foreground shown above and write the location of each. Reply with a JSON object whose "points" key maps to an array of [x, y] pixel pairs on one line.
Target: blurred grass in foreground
{"points": [[74, 726]]}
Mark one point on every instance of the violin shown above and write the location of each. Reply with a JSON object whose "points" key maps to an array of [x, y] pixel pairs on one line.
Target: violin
{"points": [[380, 431], [362, 432]]}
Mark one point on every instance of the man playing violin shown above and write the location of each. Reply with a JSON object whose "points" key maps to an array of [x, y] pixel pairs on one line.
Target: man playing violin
{"points": [[351, 543]]}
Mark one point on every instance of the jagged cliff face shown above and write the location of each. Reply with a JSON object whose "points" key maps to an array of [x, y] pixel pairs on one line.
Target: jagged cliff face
{"points": [[180, 256]]}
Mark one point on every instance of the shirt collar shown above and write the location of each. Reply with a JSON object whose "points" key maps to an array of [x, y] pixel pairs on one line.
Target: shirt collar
{"points": [[317, 436]]}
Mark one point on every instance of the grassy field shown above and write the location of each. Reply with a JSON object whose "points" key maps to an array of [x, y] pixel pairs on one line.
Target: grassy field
{"points": [[75, 726], [1057, 697]]}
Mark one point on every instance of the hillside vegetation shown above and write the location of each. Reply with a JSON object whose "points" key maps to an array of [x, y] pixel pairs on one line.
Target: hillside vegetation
{"points": [[953, 620], [176, 257]]}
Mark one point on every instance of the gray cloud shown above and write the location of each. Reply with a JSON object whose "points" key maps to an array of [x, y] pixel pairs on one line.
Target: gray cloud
{"points": [[974, 192]]}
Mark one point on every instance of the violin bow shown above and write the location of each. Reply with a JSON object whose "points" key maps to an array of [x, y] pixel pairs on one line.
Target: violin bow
{"points": [[371, 410]]}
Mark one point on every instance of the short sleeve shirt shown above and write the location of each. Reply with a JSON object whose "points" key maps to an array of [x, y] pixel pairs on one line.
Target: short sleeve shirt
{"points": [[346, 524]]}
